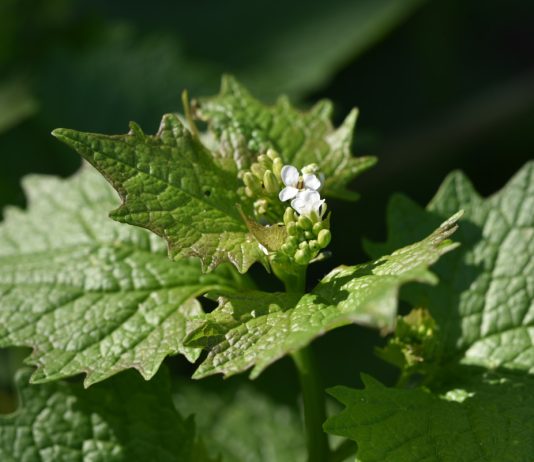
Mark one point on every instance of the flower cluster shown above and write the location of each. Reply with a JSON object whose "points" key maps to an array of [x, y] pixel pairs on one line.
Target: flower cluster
{"points": [[270, 183], [303, 190], [307, 232]]}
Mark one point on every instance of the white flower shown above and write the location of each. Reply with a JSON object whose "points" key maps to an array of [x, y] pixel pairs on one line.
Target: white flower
{"points": [[308, 202], [295, 184]]}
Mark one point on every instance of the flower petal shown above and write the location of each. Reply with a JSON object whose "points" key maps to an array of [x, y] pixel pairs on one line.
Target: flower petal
{"points": [[318, 208], [298, 204], [309, 195], [290, 175], [307, 201], [289, 192], [311, 181]]}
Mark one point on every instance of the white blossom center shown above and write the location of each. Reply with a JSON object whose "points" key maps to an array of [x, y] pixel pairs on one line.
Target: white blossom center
{"points": [[294, 182], [302, 189]]}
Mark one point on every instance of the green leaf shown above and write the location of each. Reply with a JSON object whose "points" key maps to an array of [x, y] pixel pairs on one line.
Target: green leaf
{"points": [[170, 184], [242, 424], [254, 328], [483, 304], [488, 419], [245, 126], [483, 330], [124, 419], [86, 293]]}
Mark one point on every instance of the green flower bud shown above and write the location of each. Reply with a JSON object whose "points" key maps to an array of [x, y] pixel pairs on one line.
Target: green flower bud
{"points": [[249, 179], [308, 235], [304, 222], [317, 228], [258, 170], [288, 248], [270, 182], [252, 183], [293, 240], [271, 153], [291, 228], [277, 167], [265, 161], [301, 257], [289, 216], [324, 237], [314, 246], [310, 168]]}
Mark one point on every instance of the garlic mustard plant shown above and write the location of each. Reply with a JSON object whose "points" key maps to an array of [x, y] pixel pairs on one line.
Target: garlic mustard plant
{"points": [[196, 211]]}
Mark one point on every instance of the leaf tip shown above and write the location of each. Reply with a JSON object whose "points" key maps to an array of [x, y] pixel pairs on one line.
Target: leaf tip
{"points": [[446, 229], [229, 84], [79, 141], [370, 382], [454, 219], [199, 374], [62, 134], [335, 391], [370, 161], [136, 130], [352, 117]]}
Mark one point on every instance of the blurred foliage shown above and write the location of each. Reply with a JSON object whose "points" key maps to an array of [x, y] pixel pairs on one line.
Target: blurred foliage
{"points": [[95, 65], [16, 102], [440, 84], [228, 410]]}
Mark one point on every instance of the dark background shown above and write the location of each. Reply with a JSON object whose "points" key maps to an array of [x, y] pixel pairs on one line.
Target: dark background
{"points": [[441, 85]]}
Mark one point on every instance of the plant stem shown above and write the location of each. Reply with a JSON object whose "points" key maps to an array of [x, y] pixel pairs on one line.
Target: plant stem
{"points": [[314, 405], [312, 391], [294, 278]]}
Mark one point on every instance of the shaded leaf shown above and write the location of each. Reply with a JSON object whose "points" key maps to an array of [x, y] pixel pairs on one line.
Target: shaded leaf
{"points": [[488, 419], [483, 310], [242, 424], [125, 419], [483, 304]]}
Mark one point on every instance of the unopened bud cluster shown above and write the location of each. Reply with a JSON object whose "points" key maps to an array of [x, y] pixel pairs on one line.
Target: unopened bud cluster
{"points": [[263, 183], [307, 236]]}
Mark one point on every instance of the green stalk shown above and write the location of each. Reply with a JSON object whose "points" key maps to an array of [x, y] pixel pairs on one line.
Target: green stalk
{"points": [[314, 405], [294, 278], [312, 391]]}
